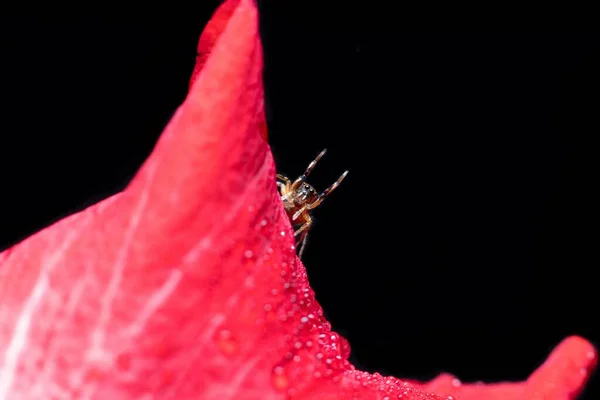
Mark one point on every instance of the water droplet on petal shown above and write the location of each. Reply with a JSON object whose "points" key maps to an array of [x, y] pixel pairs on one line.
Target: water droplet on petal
{"points": [[249, 282], [456, 382], [226, 342], [280, 381], [248, 253], [344, 348]]}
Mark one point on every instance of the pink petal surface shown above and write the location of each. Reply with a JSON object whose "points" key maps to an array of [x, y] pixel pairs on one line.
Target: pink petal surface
{"points": [[186, 285]]}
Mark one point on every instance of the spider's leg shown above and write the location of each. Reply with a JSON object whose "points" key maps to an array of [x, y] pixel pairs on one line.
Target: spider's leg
{"points": [[285, 187], [303, 244], [299, 213], [282, 188], [303, 232], [285, 179], [310, 167], [327, 191], [304, 227]]}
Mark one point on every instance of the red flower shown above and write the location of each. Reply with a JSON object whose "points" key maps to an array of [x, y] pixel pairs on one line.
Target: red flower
{"points": [[187, 286]]}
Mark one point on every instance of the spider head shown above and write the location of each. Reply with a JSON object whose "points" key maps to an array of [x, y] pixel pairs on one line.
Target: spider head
{"points": [[305, 194]]}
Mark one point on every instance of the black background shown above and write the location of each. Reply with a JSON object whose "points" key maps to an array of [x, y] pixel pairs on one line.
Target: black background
{"points": [[464, 238]]}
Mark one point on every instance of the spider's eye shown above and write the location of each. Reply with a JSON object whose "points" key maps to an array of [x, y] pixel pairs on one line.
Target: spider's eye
{"points": [[303, 193]]}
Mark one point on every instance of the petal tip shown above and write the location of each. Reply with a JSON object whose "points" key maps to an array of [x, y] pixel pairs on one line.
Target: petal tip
{"points": [[580, 348]]}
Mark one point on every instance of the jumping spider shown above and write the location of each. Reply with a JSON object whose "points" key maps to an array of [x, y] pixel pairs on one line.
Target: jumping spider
{"points": [[299, 198]]}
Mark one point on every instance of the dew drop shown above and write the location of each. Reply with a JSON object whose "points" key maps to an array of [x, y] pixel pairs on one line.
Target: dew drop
{"points": [[268, 307], [456, 382], [226, 342], [280, 381], [249, 282], [263, 223], [282, 233], [248, 253], [304, 320], [297, 358]]}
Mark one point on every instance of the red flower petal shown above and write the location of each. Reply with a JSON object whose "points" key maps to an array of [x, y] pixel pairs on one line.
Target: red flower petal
{"points": [[187, 286], [208, 39], [562, 376], [211, 33]]}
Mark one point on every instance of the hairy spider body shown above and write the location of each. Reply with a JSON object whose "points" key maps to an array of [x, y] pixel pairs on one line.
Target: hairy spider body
{"points": [[299, 198]]}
